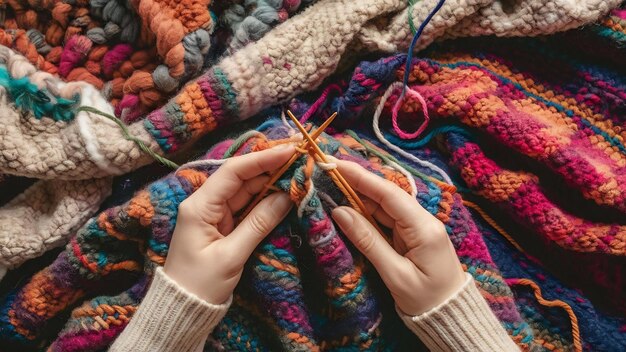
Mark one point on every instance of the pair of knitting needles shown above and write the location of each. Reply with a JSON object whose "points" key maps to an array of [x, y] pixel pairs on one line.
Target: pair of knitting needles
{"points": [[309, 145]]}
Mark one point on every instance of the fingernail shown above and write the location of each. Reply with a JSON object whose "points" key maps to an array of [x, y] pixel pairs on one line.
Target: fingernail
{"points": [[331, 158], [343, 218], [281, 203]]}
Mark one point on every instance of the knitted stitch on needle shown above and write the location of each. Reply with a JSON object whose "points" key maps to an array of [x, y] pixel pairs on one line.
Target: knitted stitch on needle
{"points": [[304, 285]]}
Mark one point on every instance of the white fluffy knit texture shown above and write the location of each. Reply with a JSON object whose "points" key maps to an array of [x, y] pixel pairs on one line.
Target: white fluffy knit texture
{"points": [[45, 215], [90, 146]]}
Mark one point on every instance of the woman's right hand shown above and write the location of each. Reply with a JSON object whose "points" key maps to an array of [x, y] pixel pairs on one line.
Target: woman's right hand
{"points": [[420, 268]]}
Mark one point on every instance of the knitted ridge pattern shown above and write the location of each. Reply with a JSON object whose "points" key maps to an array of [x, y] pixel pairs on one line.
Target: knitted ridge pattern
{"points": [[516, 265], [345, 312]]}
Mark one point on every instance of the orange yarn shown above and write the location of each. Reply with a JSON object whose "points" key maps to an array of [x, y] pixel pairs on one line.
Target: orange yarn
{"points": [[555, 303], [123, 314], [337, 178], [82, 74], [276, 175], [493, 224]]}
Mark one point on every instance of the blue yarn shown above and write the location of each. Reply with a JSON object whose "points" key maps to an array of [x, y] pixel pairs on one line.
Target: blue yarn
{"points": [[417, 35], [268, 124], [351, 103], [27, 96]]}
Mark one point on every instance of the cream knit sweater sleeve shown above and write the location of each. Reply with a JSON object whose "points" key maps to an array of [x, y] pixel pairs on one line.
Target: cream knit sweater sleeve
{"points": [[173, 319], [463, 322], [170, 318]]}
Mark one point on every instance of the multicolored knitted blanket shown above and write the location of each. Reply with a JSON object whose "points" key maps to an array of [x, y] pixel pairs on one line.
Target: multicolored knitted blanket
{"points": [[343, 307], [530, 129], [55, 140]]}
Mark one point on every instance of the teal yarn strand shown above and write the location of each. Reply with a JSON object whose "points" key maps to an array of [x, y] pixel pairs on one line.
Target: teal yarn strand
{"points": [[130, 137], [416, 144], [28, 97]]}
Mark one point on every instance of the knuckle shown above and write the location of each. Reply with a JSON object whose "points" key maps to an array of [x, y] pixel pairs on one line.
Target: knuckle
{"points": [[364, 240], [186, 208], [402, 279], [435, 233], [259, 224]]}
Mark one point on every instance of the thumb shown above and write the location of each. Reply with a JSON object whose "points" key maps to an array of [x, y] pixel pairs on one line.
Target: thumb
{"points": [[258, 224], [367, 240]]}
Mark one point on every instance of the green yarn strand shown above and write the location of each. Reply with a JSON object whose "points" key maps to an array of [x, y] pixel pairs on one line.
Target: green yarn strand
{"points": [[410, 15], [130, 137]]}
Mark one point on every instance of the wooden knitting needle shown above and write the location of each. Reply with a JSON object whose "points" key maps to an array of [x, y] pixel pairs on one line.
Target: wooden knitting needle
{"points": [[338, 178], [276, 175]]}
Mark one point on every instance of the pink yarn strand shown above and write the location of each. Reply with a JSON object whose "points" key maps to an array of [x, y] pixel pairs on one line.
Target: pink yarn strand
{"points": [[394, 114], [321, 100]]}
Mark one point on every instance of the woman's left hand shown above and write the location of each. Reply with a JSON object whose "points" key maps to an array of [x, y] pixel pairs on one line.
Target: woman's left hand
{"points": [[208, 252]]}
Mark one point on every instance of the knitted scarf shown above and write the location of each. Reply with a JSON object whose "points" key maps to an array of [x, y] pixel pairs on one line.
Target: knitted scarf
{"points": [[342, 307], [272, 70]]}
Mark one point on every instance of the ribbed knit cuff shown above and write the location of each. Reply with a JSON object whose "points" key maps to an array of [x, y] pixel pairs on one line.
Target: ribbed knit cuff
{"points": [[170, 319], [464, 322]]}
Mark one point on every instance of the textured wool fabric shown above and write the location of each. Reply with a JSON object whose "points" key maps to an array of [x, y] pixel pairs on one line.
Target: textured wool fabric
{"points": [[170, 318], [302, 289], [560, 116], [45, 137], [602, 330], [249, 21], [347, 309], [461, 323], [599, 332], [137, 52], [45, 215]]}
